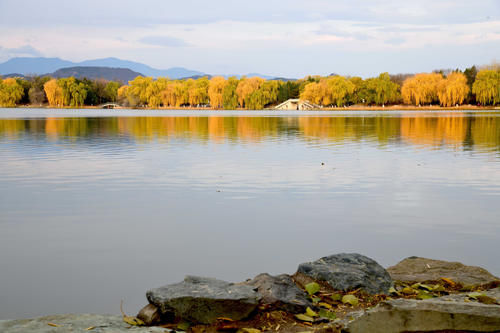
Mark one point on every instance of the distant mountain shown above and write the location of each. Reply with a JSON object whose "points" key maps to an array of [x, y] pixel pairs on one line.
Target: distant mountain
{"points": [[14, 75], [115, 74], [40, 65], [29, 66]]}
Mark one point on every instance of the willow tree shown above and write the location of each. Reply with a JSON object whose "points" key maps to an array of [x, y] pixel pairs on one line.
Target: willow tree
{"points": [[246, 87], [11, 92], [154, 90], [339, 89], [314, 92], [266, 94], [138, 89], [229, 96], [54, 93], [216, 91], [453, 90], [198, 92], [421, 88], [384, 90], [487, 87]]}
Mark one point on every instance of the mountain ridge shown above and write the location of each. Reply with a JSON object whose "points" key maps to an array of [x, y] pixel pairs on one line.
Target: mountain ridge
{"points": [[28, 66]]}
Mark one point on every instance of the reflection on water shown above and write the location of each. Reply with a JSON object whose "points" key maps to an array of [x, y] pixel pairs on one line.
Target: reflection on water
{"points": [[472, 131], [98, 209]]}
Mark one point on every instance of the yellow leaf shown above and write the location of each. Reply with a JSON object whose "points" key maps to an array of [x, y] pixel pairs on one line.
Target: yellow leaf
{"points": [[303, 317], [133, 321], [53, 325], [90, 328], [325, 305], [310, 312], [351, 299]]}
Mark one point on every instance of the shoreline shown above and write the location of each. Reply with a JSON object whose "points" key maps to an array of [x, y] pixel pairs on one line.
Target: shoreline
{"points": [[347, 108]]}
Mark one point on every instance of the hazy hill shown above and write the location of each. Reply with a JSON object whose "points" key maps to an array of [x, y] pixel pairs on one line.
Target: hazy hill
{"points": [[115, 74], [41, 65]]}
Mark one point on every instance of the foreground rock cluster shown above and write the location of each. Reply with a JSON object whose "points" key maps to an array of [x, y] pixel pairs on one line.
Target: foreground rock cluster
{"points": [[338, 293]]}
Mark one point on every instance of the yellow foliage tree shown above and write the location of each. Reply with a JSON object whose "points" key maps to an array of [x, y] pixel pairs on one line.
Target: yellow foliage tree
{"points": [[138, 89], [54, 93], [11, 92], [314, 92], [216, 91], [421, 88], [487, 86], [154, 91], [331, 90], [246, 87], [198, 92], [453, 90]]}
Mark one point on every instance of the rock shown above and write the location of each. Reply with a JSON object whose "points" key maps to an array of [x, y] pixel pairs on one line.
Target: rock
{"points": [[443, 314], [150, 315], [348, 271], [75, 323], [415, 269], [280, 292], [203, 300]]}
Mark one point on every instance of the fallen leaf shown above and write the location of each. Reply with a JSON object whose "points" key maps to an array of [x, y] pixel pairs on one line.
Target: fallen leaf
{"points": [[315, 299], [327, 314], [312, 288], [325, 305], [350, 299], [133, 321], [424, 295], [310, 312], [304, 317], [408, 291], [53, 325], [90, 328], [336, 297], [449, 281]]}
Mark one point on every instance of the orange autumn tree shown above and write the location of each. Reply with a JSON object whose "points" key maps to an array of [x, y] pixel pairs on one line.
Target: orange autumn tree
{"points": [[421, 88], [453, 90], [216, 91]]}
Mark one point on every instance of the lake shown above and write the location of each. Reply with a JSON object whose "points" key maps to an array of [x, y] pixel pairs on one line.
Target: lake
{"points": [[97, 206]]}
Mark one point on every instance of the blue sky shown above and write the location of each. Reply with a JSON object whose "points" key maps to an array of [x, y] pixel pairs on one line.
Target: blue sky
{"points": [[285, 38]]}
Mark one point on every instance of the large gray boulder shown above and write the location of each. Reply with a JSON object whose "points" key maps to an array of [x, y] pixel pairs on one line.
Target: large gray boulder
{"points": [[415, 269], [280, 292], [443, 314], [203, 300], [348, 271]]}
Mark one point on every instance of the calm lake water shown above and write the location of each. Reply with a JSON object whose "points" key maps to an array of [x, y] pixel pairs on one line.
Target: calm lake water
{"points": [[98, 206]]}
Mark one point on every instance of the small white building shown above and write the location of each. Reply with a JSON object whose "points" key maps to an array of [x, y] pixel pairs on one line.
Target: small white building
{"points": [[297, 104]]}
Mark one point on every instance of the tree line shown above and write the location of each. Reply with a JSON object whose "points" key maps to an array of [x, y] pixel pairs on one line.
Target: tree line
{"points": [[449, 88]]}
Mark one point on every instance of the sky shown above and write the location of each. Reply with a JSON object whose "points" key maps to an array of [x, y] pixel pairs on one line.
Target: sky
{"points": [[291, 38]]}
